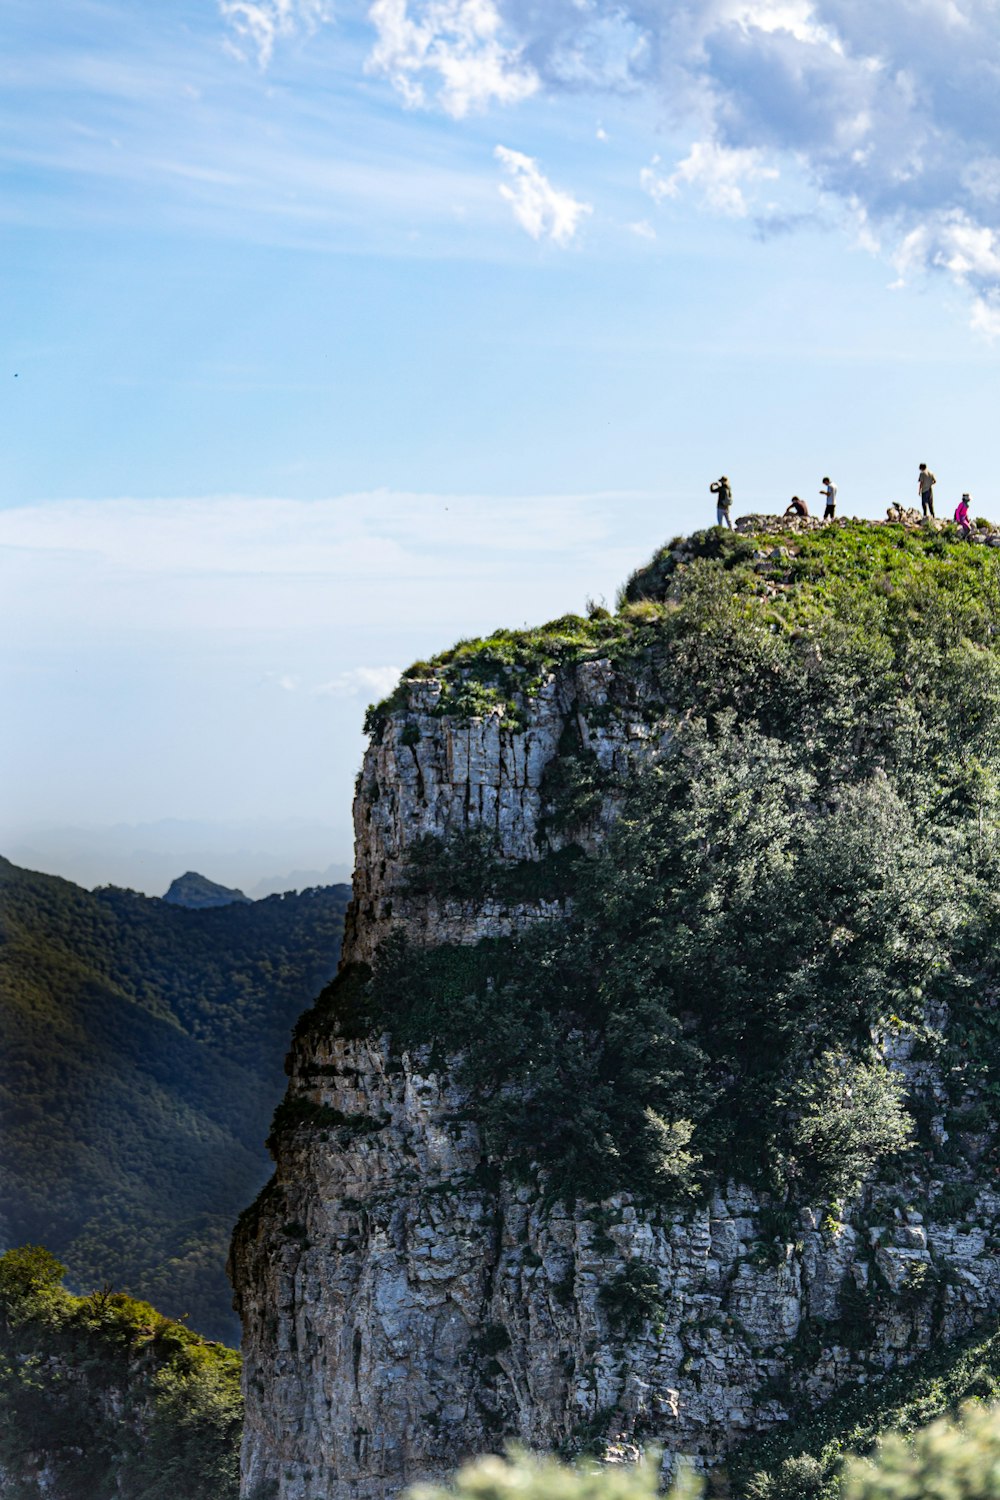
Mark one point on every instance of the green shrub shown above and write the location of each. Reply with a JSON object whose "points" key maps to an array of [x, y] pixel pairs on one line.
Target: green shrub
{"points": [[115, 1398], [634, 1298], [27, 1270], [847, 1115]]}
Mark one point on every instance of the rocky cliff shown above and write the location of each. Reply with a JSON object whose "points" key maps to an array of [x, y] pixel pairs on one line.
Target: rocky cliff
{"points": [[420, 1282]]}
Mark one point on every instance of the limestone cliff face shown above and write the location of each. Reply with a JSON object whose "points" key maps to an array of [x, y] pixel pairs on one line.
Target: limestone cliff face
{"points": [[404, 1308]]}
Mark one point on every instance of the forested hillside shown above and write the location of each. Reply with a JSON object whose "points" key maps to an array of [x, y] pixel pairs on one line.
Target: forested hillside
{"points": [[141, 1056]]}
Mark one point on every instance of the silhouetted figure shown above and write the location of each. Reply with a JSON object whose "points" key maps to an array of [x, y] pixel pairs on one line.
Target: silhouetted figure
{"points": [[797, 508], [829, 492], [723, 501], [925, 484]]}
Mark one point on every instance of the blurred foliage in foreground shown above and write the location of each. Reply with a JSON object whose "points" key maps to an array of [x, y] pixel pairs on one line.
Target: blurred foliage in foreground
{"points": [[955, 1458]]}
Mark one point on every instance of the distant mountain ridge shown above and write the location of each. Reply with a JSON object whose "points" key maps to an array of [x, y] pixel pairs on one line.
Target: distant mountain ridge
{"points": [[197, 892], [141, 1053]]}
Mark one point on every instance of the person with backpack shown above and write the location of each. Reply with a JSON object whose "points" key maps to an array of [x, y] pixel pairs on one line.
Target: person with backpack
{"points": [[723, 500], [962, 515], [829, 491], [925, 485]]}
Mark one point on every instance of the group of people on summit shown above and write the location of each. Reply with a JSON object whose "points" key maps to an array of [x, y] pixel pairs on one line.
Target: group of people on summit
{"points": [[722, 490]]}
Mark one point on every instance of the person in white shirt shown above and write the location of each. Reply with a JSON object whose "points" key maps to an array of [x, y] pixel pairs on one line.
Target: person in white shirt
{"points": [[829, 491]]}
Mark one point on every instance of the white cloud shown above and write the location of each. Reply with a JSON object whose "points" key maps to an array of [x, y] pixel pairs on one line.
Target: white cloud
{"points": [[796, 17], [374, 682], [457, 44], [642, 229], [231, 563], [543, 211], [889, 110], [968, 251], [653, 182], [985, 317], [982, 178], [260, 24], [719, 171]]}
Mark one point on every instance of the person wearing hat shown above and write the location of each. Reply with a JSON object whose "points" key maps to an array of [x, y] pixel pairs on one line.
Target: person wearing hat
{"points": [[723, 500], [829, 491], [962, 514]]}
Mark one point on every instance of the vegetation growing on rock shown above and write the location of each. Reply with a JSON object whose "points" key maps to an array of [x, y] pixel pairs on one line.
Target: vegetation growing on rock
{"points": [[806, 864], [811, 1455], [103, 1396]]}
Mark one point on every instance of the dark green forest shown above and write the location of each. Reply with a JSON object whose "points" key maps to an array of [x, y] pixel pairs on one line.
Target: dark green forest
{"points": [[141, 1056]]}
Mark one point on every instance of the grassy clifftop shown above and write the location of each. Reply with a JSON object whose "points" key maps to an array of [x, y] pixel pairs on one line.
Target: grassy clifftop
{"points": [[881, 582]]}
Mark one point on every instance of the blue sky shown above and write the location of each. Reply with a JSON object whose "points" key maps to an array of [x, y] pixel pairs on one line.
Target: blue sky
{"points": [[332, 333]]}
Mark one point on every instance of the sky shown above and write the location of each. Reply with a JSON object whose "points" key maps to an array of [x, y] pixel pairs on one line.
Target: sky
{"points": [[331, 333]]}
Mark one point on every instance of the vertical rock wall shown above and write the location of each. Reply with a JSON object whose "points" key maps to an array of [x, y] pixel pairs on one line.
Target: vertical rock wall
{"points": [[404, 1309]]}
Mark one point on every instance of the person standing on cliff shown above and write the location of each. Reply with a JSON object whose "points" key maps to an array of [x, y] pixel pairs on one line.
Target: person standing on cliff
{"points": [[723, 500], [829, 493], [925, 485]]}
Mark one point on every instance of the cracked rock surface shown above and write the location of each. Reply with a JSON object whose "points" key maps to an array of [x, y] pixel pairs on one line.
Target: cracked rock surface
{"points": [[403, 1309]]}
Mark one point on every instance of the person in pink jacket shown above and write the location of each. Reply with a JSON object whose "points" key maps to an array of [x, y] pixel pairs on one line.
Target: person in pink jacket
{"points": [[962, 514]]}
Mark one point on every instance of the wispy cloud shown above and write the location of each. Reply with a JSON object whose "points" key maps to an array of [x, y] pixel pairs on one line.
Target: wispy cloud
{"points": [[889, 109], [451, 52], [258, 25], [719, 172], [543, 211], [372, 682], [234, 563]]}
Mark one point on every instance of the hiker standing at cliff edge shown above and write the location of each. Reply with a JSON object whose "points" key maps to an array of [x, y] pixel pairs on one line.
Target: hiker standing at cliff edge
{"points": [[829, 493], [925, 484], [723, 500]]}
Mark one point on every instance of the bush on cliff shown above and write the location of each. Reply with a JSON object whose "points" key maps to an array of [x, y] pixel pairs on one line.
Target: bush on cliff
{"points": [[103, 1396], [735, 926]]}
